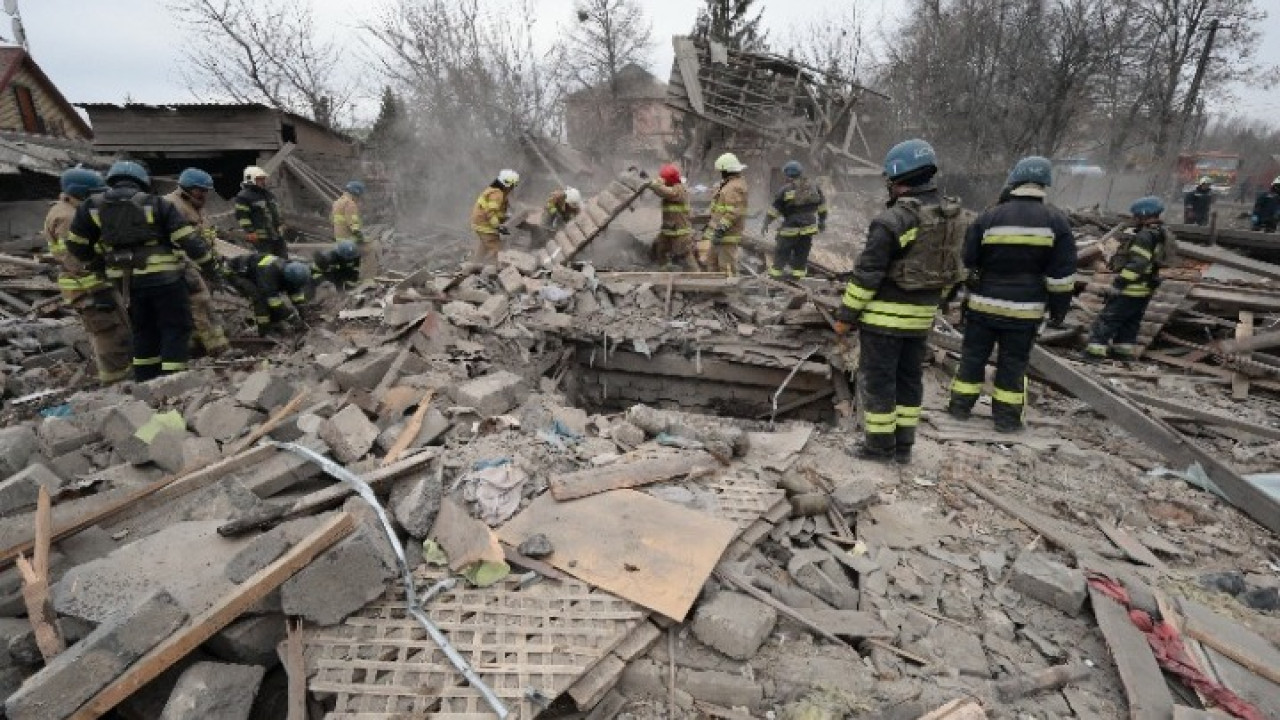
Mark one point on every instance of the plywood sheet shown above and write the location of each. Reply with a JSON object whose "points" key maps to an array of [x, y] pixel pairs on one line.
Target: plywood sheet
{"points": [[654, 553]]}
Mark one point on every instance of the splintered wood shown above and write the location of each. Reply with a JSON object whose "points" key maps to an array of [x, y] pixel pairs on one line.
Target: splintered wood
{"points": [[380, 662]]}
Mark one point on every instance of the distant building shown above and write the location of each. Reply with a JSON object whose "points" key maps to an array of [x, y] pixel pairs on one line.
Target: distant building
{"points": [[629, 119], [30, 103]]}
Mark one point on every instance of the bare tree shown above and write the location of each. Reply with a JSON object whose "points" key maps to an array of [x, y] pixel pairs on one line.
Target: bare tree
{"points": [[609, 35], [834, 43], [266, 51], [732, 23]]}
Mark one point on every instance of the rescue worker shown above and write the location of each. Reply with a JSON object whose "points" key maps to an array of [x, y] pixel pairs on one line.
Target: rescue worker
{"points": [[96, 301], [1021, 259], [259, 214], [562, 206], [137, 239], [194, 186], [728, 217], [894, 320], [339, 265], [348, 227], [276, 288], [803, 210], [1198, 202], [1142, 252], [490, 213], [674, 244], [1266, 209]]}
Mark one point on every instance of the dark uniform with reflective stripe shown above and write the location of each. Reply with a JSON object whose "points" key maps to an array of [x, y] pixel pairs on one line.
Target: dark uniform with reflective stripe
{"points": [[1196, 205], [894, 323], [159, 303], [1118, 324], [1266, 211], [1022, 260], [803, 210], [326, 265], [260, 278], [258, 212]]}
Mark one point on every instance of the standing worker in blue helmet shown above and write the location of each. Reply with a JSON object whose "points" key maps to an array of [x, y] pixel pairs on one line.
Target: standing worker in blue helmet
{"points": [[1143, 250], [96, 301], [349, 227], [803, 210], [138, 239], [1021, 259], [910, 262], [194, 186]]}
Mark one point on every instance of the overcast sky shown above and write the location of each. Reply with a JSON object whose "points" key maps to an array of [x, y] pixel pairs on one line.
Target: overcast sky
{"points": [[105, 51]]}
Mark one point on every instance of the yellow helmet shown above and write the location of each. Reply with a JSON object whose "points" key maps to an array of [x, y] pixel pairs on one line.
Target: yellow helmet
{"points": [[728, 162]]}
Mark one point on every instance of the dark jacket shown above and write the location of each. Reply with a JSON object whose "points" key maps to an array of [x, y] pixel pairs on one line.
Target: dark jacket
{"points": [[874, 300], [257, 211], [1138, 261], [1196, 205], [1022, 258], [802, 207], [260, 277], [1266, 210], [328, 266], [156, 262]]}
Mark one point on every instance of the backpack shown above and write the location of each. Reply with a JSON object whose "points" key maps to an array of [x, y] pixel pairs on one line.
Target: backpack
{"points": [[126, 222], [1165, 254], [934, 260]]}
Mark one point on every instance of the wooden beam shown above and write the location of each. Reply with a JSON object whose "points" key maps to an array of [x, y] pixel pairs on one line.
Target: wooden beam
{"points": [[1144, 685], [205, 625], [1240, 381], [272, 165], [277, 418], [626, 475], [1183, 410], [35, 584], [1233, 260]]}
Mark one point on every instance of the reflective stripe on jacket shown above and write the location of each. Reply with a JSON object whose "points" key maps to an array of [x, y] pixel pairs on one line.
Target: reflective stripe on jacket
{"points": [[76, 279], [490, 211], [729, 210], [1137, 262], [675, 208], [802, 207], [346, 219], [257, 211]]}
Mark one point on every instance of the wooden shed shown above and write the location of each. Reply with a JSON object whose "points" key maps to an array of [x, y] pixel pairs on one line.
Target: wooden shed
{"points": [[310, 160]]}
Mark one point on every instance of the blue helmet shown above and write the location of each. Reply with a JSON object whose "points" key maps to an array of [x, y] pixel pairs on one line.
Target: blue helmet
{"points": [[296, 274], [195, 178], [79, 183], [1149, 206], [347, 250], [355, 187], [1031, 169], [128, 170], [910, 158], [792, 169]]}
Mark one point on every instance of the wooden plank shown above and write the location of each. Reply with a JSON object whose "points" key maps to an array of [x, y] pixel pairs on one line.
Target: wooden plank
{"points": [[464, 539], [1180, 409], [1144, 685], [1233, 260], [411, 429], [295, 666], [627, 475], [1131, 547], [204, 626], [1240, 381], [811, 378], [959, 709], [35, 584], [1260, 341], [1233, 640], [652, 552], [276, 420], [1240, 299], [272, 165]]}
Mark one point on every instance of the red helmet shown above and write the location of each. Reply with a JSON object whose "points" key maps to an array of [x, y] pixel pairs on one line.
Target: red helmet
{"points": [[670, 174]]}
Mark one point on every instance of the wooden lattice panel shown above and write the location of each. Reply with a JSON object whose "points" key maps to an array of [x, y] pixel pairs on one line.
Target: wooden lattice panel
{"points": [[742, 499], [380, 663]]}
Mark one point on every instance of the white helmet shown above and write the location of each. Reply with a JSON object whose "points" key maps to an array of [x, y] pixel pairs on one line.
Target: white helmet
{"points": [[508, 178], [1205, 180], [252, 173], [572, 197], [728, 162]]}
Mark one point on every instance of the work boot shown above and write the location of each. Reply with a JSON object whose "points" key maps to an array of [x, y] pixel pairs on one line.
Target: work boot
{"points": [[865, 452], [902, 454], [959, 412], [1009, 426]]}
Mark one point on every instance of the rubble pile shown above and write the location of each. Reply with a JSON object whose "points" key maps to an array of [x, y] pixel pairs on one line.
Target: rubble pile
{"points": [[617, 492]]}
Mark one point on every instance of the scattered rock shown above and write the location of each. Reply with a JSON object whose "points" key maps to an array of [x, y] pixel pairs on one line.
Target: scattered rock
{"points": [[536, 546], [225, 420], [349, 434], [492, 394], [734, 624], [1230, 582], [415, 503], [1038, 576], [17, 445], [341, 581], [20, 491], [214, 691]]}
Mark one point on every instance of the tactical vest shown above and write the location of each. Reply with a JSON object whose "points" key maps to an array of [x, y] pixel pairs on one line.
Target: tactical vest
{"points": [[129, 233], [1164, 254], [934, 247]]}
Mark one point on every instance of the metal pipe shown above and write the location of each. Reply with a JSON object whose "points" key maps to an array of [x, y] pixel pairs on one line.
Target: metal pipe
{"points": [[777, 394]]}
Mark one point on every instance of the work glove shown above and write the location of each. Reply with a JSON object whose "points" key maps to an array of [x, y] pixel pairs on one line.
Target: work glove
{"points": [[503, 230]]}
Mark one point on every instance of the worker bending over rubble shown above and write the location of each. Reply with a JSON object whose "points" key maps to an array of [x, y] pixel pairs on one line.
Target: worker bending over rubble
{"points": [[1143, 250], [259, 214], [1021, 258], [562, 206], [275, 286], [723, 234], [803, 210], [339, 265], [490, 213], [96, 301], [674, 244], [194, 186], [137, 239], [909, 263], [349, 228]]}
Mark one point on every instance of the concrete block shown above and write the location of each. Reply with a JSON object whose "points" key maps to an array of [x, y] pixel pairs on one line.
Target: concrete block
{"points": [[857, 494], [59, 436], [123, 420], [433, 336], [224, 420], [471, 290], [88, 666], [168, 450], [366, 371], [17, 445], [349, 434], [19, 491], [434, 424], [339, 582], [734, 624], [267, 547], [1038, 576], [265, 391], [512, 281], [526, 263], [283, 470], [250, 640], [19, 641], [415, 501], [492, 394], [568, 278], [214, 691], [494, 310], [720, 688], [462, 314], [166, 387], [74, 464]]}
